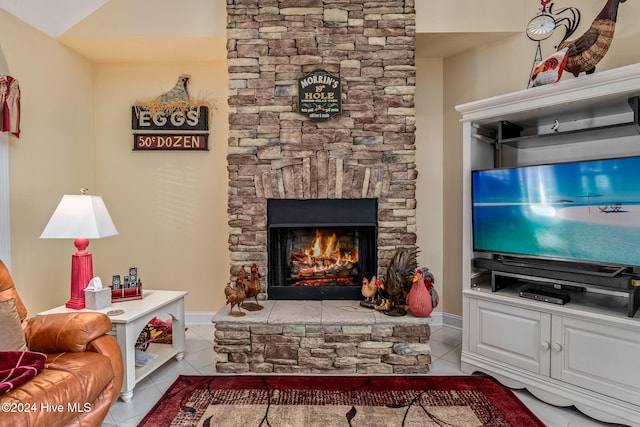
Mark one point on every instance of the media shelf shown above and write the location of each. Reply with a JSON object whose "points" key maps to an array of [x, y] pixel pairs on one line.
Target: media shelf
{"points": [[587, 303], [581, 353], [580, 294], [509, 133], [559, 272], [617, 284]]}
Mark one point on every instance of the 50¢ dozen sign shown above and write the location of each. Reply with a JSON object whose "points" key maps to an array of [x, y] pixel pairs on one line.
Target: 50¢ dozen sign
{"points": [[181, 130]]}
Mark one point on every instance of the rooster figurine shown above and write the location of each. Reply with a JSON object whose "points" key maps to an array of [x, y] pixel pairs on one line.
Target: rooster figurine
{"points": [[384, 303], [398, 280], [253, 288], [235, 297], [369, 291], [588, 49], [423, 297]]}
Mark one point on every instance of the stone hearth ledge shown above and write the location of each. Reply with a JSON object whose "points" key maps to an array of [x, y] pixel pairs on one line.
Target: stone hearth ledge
{"points": [[279, 312], [320, 337]]}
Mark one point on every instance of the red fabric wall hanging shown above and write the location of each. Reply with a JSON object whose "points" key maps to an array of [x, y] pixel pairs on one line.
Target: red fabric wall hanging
{"points": [[10, 105]]}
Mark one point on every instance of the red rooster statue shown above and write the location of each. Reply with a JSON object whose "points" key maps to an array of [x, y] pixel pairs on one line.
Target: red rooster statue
{"points": [[422, 298]]}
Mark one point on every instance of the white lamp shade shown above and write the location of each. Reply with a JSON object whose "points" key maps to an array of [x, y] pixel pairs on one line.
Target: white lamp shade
{"points": [[80, 217]]}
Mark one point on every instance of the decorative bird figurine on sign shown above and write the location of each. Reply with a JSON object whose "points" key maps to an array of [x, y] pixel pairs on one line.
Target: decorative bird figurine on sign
{"points": [[588, 49], [179, 92], [176, 100]]}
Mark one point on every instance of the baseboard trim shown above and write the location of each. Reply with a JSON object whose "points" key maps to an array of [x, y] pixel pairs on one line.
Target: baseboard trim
{"points": [[438, 318], [199, 317], [452, 320]]}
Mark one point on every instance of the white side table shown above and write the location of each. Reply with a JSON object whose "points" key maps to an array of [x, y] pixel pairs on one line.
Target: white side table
{"points": [[127, 328]]}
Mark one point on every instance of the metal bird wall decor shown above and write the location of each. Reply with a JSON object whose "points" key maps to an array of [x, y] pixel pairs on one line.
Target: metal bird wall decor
{"points": [[568, 18]]}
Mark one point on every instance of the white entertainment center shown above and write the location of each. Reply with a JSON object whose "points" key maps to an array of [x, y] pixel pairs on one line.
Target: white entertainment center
{"points": [[586, 352]]}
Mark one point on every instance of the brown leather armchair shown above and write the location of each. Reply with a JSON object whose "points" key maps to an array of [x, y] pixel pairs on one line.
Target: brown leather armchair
{"points": [[83, 372]]}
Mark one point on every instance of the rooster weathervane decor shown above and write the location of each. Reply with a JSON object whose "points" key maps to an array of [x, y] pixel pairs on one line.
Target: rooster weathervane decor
{"points": [[583, 52], [542, 26]]}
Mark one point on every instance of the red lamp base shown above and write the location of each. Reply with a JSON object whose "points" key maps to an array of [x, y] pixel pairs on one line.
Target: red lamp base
{"points": [[81, 274]]}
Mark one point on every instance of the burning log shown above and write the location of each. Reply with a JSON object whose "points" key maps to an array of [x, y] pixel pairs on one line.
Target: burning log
{"points": [[334, 270], [312, 261], [323, 263], [335, 281], [305, 258]]}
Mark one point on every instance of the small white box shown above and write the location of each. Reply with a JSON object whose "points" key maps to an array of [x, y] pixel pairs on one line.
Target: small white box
{"points": [[97, 299]]}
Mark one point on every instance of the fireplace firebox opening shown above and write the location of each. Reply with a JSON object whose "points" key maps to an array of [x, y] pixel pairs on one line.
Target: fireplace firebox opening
{"points": [[320, 249]]}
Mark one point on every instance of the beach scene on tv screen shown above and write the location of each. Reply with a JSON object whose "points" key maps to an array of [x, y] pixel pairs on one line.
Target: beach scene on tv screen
{"points": [[586, 211]]}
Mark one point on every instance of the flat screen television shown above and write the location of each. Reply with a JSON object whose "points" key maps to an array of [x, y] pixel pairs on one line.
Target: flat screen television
{"points": [[587, 211]]}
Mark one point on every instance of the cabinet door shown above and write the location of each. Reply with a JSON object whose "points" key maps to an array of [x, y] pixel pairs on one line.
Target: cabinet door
{"points": [[512, 335], [597, 357]]}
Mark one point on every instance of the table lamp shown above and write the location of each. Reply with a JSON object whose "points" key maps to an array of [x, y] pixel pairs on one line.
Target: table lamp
{"points": [[80, 217]]}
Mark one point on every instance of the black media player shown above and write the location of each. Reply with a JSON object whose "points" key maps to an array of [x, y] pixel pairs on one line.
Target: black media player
{"points": [[544, 296]]}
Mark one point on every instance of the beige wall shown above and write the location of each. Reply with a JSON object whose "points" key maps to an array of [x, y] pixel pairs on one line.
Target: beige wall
{"points": [[169, 206], [503, 66], [469, 16], [429, 147], [54, 155]]}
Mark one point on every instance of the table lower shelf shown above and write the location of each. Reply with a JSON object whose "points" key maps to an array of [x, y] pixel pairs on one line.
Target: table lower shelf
{"points": [[164, 353]]}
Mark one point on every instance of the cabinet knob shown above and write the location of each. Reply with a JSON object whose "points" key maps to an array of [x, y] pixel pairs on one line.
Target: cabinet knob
{"points": [[557, 347], [545, 345]]}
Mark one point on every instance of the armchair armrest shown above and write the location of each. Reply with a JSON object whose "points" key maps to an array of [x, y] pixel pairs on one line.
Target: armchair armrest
{"points": [[62, 332], [108, 346]]}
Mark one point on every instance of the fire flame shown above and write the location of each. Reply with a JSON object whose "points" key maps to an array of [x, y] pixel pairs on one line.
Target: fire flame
{"points": [[325, 253], [328, 249]]}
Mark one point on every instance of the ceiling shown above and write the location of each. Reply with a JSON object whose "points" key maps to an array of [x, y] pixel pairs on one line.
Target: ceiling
{"points": [[56, 17], [51, 17]]}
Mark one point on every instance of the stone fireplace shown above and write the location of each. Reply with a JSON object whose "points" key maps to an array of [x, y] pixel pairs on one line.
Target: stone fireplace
{"points": [[363, 157], [367, 152]]}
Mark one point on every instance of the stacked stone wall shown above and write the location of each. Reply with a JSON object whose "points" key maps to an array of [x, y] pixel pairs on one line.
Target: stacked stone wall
{"points": [[345, 349], [366, 151]]}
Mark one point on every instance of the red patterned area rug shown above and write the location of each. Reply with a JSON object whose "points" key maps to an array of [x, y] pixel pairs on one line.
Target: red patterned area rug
{"points": [[327, 401]]}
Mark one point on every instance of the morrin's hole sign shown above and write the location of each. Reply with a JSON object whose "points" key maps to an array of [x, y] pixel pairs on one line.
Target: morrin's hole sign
{"points": [[319, 95]]}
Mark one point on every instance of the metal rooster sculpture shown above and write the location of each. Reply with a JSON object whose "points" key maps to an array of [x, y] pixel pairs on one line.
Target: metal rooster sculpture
{"points": [[253, 287], [397, 282], [567, 17], [588, 49]]}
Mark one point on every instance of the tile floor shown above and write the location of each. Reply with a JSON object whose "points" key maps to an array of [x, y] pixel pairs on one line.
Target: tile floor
{"points": [[199, 360]]}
